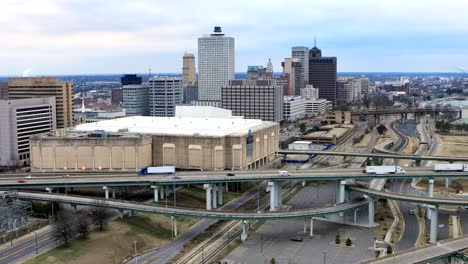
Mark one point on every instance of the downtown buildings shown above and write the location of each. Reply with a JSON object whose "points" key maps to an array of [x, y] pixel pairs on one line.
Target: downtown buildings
{"points": [[189, 75], [41, 87], [322, 74], [216, 64], [164, 94]]}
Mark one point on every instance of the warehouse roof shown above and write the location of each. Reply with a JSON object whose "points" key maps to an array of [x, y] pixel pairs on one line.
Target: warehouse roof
{"points": [[184, 126]]}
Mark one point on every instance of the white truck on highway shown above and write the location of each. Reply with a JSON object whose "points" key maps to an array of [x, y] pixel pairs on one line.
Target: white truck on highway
{"points": [[384, 170], [157, 170], [450, 167]]}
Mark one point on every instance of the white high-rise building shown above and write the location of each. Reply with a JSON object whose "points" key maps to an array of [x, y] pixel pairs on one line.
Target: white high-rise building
{"points": [[302, 53], [309, 92], [216, 64], [164, 94]]}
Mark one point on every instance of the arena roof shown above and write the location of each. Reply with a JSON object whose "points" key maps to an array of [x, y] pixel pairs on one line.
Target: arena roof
{"points": [[177, 126]]}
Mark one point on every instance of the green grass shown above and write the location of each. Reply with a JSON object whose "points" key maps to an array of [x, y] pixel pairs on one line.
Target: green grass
{"points": [[115, 242]]}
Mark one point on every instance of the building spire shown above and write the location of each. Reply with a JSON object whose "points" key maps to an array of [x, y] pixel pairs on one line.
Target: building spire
{"points": [[315, 41]]}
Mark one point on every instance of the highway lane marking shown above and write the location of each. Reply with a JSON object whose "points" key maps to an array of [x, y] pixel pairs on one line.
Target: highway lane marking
{"points": [[22, 249]]}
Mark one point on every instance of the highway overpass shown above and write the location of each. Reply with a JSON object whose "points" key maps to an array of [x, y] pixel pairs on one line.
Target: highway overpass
{"points": [[190, 212], [118, 180], [374, 155]]}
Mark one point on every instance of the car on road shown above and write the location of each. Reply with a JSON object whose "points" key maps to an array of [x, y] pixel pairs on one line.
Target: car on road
{"points": [[411, 212], [297, 238], [21, 181], [28, 177], [230, 174]]}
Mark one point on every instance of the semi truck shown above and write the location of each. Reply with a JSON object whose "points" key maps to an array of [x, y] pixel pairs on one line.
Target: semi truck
{"points": [[450, 167], [157, 170], [384, 170]]}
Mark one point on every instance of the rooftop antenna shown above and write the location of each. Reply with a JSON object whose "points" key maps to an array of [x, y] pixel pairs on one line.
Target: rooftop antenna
{"points": [[315, 41], [149, 74]]}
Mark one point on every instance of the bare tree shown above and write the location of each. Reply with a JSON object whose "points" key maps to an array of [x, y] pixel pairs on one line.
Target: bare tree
{"points": [[65, 226], [83, 223], [99, 213]]}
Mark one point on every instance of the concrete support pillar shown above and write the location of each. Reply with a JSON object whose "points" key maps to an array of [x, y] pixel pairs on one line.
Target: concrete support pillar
{"points": [[220, 194], [371, 211], [49, 190], [106, 190], [305, 225], [215, 196], [113, 192], [168, 190], [303, 183], [208, 189], [341, 192], [74, 208], [433, 234], [156, 194], [174, 226], [448, 182], [273, 203], [279, 197], [430, 193], [311, 227], [161, 193], [244, 230]]}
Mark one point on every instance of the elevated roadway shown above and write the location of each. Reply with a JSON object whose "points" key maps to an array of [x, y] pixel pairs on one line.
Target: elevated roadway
{"points": [[426, 254], [189, 212], [373, 155], [410, 198], [405, 111], [213, 177]]}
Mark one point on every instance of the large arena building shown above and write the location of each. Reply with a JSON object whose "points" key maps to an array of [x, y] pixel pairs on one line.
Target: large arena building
{"points": [[197, 138]]}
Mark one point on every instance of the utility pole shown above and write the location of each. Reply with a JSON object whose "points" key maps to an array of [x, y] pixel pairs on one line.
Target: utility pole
{"points": [[37, 249], [136, 255]]}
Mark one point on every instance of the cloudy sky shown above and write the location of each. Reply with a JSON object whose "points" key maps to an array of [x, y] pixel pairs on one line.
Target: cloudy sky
{"points": [[46, 37]]}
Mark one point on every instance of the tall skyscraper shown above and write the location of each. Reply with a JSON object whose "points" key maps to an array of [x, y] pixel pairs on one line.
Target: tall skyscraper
{"points": [[40, 87], [135, 99], [322, 74], [20, 119], [269, 69], [292, 67], [164, 94], [254, 99], [189, 76], [128, 79], [302, 53], [216, 64]]}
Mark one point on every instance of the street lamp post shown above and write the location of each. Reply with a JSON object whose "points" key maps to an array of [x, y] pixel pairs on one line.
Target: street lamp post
{"points": [[37, 249], [136, 255]]}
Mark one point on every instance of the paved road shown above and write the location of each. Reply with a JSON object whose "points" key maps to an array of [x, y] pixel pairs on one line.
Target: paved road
{"points": [[426, 254], [270, 241], [221, 177]]}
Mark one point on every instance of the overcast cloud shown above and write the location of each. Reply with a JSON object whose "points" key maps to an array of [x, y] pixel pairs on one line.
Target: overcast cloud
{"points": [[83, 36]]}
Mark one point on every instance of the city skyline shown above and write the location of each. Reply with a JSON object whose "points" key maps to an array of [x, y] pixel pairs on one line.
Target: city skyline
{"points": [[63, 37]]}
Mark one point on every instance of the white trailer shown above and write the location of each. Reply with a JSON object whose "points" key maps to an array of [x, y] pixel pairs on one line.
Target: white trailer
{"points": [[157, 170], [384, 170], [450, 167]]}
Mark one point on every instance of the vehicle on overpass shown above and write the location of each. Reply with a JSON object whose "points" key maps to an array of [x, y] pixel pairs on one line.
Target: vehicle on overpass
{"points": [[384, 170], [450, 167], [157, 170]]}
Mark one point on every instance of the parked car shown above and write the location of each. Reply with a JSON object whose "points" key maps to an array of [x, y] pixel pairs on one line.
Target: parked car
{"points": [[21, 181], [411, 212], [28, 177], [297, 238], [230, 174]]}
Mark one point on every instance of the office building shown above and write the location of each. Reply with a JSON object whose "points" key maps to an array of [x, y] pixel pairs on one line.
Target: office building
{"points": [[116, 96], [189, 75], [254, 99], [197, 138], [283, 83], [317, 106], [269, 70], [255, 72], [164, 94], [40, 87], [216, 64], [136, 99], [3, 90], [21, 118], [310, 93], [292, 68], [343, 89], [131, 79], [322, 74], [302, 53], [190, 94], [293, 108]]}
